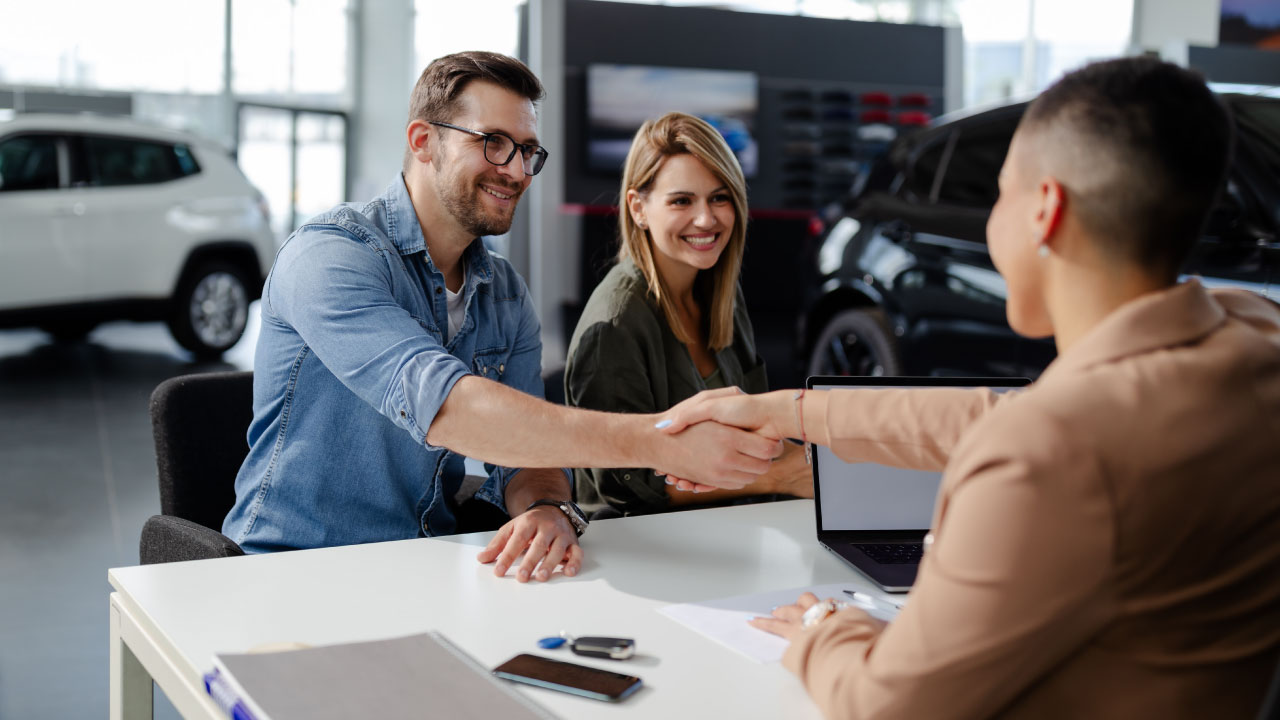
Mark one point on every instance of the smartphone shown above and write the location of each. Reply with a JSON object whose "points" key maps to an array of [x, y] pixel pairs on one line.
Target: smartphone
{"points": [[567, 677]]}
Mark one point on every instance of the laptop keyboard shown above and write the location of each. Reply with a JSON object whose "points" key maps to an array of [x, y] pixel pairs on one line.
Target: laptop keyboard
{"points": [[892, 553]]}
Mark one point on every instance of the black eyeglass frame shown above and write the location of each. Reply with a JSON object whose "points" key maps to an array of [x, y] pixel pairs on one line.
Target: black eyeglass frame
{"points": [[538, 154]]}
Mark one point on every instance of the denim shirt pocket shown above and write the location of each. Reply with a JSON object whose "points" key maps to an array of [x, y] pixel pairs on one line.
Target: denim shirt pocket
{"points": [[491, 363]]}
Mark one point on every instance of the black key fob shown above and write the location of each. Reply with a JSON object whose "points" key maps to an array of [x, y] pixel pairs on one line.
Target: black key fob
{"points": [[611, 648]]}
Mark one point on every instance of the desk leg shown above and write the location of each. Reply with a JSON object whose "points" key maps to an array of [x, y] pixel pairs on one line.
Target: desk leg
{"points": [[130, 682]]}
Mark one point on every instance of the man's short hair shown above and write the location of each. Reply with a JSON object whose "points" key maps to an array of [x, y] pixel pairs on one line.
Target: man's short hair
{"points": [[1155, 143], [435, 96]]}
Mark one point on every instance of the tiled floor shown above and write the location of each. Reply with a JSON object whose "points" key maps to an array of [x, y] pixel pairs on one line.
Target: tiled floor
{"points": [[77, 480]]}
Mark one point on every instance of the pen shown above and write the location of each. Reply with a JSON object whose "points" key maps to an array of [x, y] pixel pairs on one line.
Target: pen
{"points": [[875, 602]]}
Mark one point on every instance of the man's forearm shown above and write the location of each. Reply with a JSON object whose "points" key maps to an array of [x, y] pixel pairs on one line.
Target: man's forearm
{"points": [[491, 422]]}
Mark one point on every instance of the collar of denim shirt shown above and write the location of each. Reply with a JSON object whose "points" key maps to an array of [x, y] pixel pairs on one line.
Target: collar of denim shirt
{"points": [[406, 234]]}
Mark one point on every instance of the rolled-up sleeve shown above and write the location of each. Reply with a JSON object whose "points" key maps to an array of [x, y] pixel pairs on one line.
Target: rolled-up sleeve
{"points": [[1013, 584], [335, 290], [913, 428]]}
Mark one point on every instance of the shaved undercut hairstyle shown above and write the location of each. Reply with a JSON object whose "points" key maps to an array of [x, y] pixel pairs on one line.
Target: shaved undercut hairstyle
{"points": [[435, 96], [1148, 146]]}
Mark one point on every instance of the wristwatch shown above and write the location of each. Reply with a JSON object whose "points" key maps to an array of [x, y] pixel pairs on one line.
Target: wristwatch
{"points": [[577, 518], [820, 611]]}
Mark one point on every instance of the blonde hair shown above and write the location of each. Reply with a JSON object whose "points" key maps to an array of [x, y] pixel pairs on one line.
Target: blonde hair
{"points": [[679, 134]]}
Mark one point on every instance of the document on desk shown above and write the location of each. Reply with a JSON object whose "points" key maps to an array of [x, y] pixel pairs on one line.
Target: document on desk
{"points": [[415, 676], [725, 620]]}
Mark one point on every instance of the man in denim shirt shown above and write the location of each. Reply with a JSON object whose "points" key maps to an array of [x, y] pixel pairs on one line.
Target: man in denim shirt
{"points": [[393, 344]]}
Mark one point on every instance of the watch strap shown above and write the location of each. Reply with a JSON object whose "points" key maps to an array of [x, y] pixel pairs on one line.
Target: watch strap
{"points": [[577, 519]]}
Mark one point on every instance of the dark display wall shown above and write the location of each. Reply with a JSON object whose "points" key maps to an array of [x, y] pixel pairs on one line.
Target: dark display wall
{"points": [[819, 82], [1236, 64], [830, 92]]}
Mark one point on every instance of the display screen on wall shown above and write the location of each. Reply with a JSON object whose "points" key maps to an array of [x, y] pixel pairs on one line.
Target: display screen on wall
{"points": [[1250, 22], [621, 97]]}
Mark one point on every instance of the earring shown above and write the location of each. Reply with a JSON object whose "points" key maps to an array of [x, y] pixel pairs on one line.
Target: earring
{"points": [[1043, 250]]}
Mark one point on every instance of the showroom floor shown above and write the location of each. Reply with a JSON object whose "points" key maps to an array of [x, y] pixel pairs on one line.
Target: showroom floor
{"points": [[77, 480]]}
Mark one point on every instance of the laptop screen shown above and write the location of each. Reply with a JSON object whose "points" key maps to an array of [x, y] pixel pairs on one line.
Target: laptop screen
{"points": [[869, 496]]}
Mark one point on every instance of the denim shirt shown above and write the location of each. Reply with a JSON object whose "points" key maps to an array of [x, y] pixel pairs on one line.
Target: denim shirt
{"points": [[352, 366]]}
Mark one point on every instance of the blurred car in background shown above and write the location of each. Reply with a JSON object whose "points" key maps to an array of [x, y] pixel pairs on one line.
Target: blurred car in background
{"points": [[108, 219], [907, 286]]}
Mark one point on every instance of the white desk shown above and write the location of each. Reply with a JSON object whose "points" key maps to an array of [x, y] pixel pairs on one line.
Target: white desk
{"points": [[167, 621]]}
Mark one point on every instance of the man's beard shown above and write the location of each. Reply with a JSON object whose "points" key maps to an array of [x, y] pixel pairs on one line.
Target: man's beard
{"points": [[463, 201]]}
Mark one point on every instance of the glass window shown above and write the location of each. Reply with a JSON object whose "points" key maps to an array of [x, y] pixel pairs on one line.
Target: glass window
{"points": [[972, 172], [76, 44], [921, 171], [124, 161], [187, 164], [1259, 122], [265, 156], [290, 47], [441, 28], [322, 163], [29, 163]]}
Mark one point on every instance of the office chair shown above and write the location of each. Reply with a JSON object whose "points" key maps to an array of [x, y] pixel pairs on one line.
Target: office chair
{"points": [[199, 422], [1271, 703]]}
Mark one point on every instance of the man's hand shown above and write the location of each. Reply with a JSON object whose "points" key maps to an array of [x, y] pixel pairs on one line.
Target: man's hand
{"points": [[546, 538], [725, 407], [718, 455]]}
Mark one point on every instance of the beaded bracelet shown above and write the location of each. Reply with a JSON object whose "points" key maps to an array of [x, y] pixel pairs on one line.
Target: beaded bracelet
{"points": [[798, 397]]}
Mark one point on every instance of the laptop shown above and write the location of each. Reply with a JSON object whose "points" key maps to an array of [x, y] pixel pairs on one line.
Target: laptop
{"points": [[873, 516]]}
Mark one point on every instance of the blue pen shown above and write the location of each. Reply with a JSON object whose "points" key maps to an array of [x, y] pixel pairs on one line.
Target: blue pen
{"points": [[225, 697]]}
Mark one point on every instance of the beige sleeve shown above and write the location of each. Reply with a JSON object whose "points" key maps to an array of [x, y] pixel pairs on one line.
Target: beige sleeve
{"points": [[1014, 582], [911, 428]]}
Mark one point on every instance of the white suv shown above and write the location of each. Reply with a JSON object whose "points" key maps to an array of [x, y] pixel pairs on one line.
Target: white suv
{"points": [[108, 219]]}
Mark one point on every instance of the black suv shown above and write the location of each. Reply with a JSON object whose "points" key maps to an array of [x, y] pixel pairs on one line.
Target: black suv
{"points": [[908, 288]]}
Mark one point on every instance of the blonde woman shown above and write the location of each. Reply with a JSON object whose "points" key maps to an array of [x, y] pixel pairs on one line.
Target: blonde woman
{"points": [[669, 320]]}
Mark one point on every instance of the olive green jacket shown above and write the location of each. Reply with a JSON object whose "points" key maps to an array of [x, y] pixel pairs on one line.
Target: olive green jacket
{"points": [[624, 358]]}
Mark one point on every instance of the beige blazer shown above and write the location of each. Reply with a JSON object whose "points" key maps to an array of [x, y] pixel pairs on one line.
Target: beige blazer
{"points": [[1106, 542]]}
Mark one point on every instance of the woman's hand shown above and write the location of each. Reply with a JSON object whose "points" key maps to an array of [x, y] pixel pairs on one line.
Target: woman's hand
{"points": [[785, 622], [766, 414]]}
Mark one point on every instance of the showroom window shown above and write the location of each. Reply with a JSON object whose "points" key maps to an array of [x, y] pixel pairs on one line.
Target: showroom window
{"points": [[29, 163], [295, 48], [441, 28], [75, 44], [297, 158]]}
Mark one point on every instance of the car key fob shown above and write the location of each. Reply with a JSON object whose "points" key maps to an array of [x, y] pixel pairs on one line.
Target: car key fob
{"points": [[612, 648]]}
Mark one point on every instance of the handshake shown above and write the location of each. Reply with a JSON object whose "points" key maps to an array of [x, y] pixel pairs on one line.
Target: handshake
{"points": [[726, 439]]}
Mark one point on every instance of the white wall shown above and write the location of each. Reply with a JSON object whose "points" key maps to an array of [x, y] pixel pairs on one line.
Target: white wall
{"points": [[383, 75], [1159, 23]]}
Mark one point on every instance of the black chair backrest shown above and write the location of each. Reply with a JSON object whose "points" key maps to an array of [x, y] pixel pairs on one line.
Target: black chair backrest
{"points": [[200, 423], [1271, 703]]}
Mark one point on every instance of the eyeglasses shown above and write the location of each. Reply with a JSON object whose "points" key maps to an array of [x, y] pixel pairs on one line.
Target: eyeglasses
{"points": [[499, 148]]}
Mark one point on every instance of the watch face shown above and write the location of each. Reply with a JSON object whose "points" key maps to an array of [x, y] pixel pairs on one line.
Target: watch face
{"points": [[576, 511]]}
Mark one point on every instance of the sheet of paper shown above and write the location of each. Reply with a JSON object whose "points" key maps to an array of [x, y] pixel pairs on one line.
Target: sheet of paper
{"points": [[725, 620]]}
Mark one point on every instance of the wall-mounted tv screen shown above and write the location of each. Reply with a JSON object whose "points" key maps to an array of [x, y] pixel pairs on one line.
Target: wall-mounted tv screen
{"points": [[621, 97]]}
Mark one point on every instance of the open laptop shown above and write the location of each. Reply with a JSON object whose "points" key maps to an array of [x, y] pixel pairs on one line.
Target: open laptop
{"points": [[873, 516]]}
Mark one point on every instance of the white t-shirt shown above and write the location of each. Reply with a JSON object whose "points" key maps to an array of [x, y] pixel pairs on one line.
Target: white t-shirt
{"points": [[456, 308]]}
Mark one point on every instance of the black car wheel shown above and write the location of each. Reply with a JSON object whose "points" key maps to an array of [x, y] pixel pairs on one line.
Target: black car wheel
{"points": [[211, 309], [856, 342]]}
